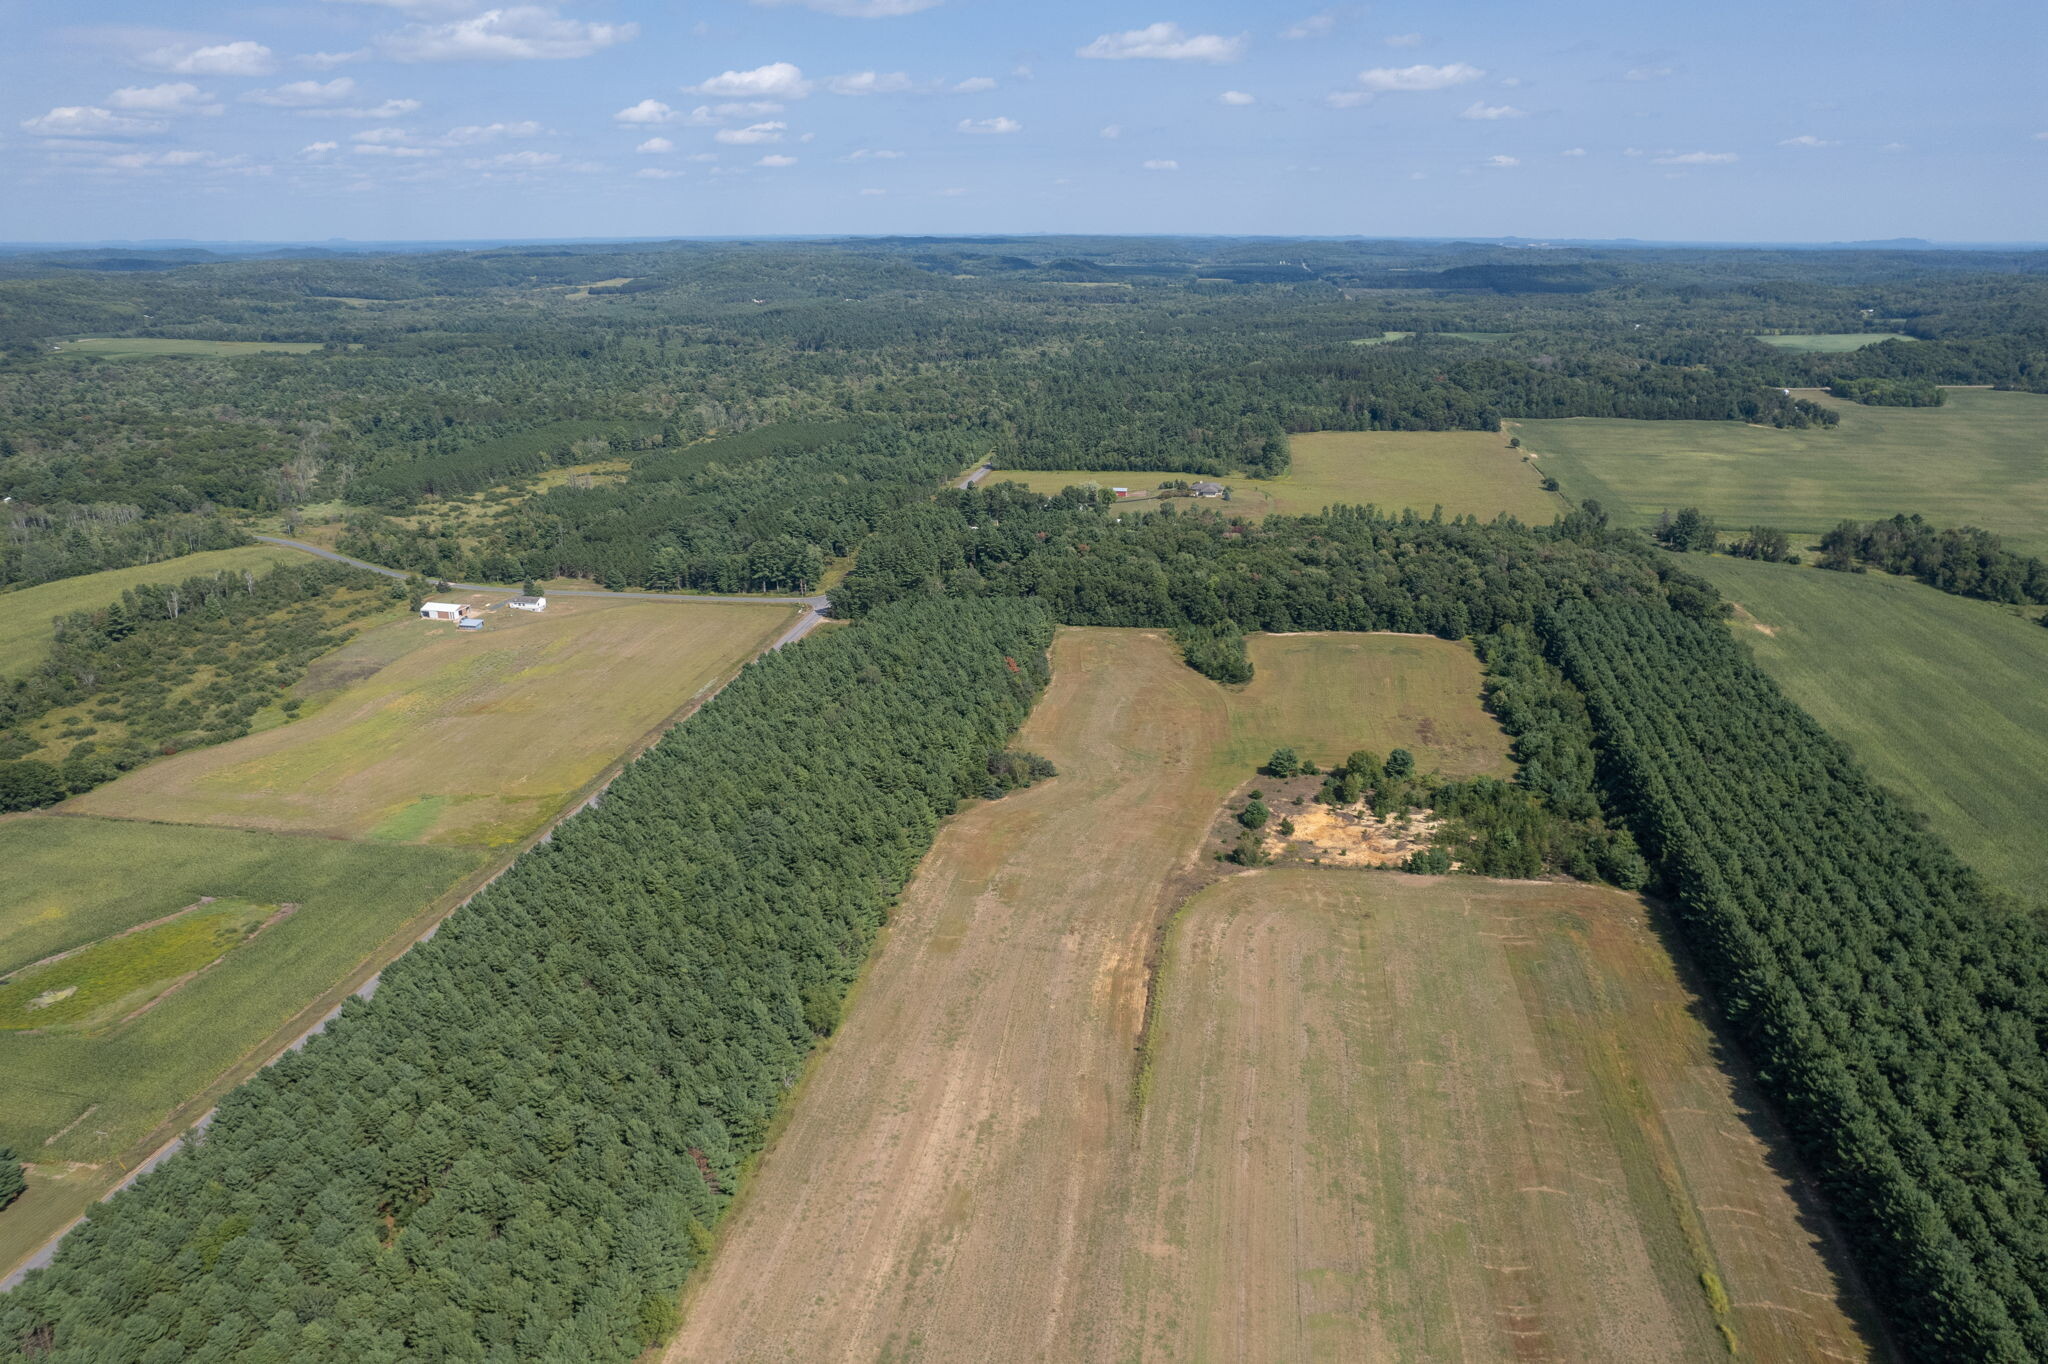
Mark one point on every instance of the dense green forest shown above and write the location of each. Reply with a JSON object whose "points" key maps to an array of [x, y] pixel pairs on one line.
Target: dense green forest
{"points": [[443, 374], [1965, 561], [516, 1149]]}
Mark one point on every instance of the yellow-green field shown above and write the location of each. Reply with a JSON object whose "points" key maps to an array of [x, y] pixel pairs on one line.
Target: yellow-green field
{"points": [[1381, 339], [418, 732], [137, 347], [25, 614], [1979, 460], [1831, 341], [1945, 700], [1337, 1121], [101, 983], [1464, 472]]}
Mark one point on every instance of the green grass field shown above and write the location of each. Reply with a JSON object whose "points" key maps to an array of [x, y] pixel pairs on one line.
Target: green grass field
{"points": [[89, 879], [112, 978], [1463, 471], [1945, 700], [140, 347], [25, 614], [1981, 460], [1382, 338], [416, 731], [1832, 341]]}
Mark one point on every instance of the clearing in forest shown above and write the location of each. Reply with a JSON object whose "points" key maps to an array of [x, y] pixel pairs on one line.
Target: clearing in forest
{"points": [[967, 1172], [418, 732], [1393, 1117], [1944, 699], [139, 347], [26, 613], [1831, 341], [1978, 460], [1464, 472]]}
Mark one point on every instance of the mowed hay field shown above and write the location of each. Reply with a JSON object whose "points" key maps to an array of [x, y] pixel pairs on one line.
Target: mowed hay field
{"points": [[418, 732], [142, 347], [967, 1171], [1831, 341], [25, 614], [1980, 460], [1409, 1118], [1945, 700], [1464, 472]]}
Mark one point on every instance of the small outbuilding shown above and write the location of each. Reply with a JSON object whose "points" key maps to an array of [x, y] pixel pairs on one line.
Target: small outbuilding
{"points": [[470, 623], [442, 610], [528, 603]]}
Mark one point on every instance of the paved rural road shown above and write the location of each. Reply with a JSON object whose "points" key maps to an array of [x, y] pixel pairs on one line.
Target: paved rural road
{"points": [[814, 607], [970, 479], [811, 619]]}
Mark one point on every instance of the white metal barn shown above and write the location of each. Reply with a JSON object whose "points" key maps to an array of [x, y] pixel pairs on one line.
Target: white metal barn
{"points": [[440, 610]]}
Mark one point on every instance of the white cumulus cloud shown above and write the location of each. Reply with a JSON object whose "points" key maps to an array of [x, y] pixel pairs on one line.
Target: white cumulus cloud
{"points": [[655, 146], [1808, 140], [1162, 165], [314, 150], [516, 161], [997, 125], [1315, 26], [1573, 151], [1481, 109], [864, 154], [1503, 162], [1403, 40], [1695, 158], [180, 97], [751, 134], [516, 33], [1237, 97], [658, 173], [974, 85], [1111, 131], [86, 120], [304, 94], [1164, 42], [472, 133], [860, 9], [390, 108], [776, 160], [1386, 79], [221, 59], [646, 111], [327, 61], [871, 83], [776, 80]]}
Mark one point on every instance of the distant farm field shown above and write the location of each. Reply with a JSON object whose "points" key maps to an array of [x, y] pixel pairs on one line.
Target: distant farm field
{"points": [[416, 732], [1832, 341], [1945, 700], [1406, 1118], [973, 1150], [25, 614], [1980, 460], [1462, 471], [134, 347], [86, 1086]]}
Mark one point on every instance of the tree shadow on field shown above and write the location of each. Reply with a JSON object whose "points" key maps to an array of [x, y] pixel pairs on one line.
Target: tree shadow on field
{"points": [[1853, 1295]]}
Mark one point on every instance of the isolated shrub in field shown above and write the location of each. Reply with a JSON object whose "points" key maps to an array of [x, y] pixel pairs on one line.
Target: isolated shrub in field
{"points": [[1285, 762]]}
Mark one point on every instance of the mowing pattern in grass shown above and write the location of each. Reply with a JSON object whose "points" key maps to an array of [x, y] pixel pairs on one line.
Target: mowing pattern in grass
{"points": [[1832, 341], [72, 881], [418, 732], [138, 347], [1945, 700], [1402, 1118], [25, 615], [100, 984], [967, 1147], [1462, 471], [1981, 460]]}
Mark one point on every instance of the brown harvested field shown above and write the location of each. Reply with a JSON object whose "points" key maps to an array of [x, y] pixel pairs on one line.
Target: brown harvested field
{"points": [[967, 1174], [1417, 1118], [418, 732]]}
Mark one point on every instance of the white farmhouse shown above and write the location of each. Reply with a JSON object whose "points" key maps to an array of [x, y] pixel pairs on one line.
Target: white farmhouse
{"points": [[528, 603]]}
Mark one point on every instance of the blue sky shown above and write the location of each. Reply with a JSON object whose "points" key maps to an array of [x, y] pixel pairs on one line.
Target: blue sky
{"points": [[427, 119]]}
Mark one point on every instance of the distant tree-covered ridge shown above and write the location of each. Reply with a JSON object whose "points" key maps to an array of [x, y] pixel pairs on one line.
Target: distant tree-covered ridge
{"points": [[516, 1149]]}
